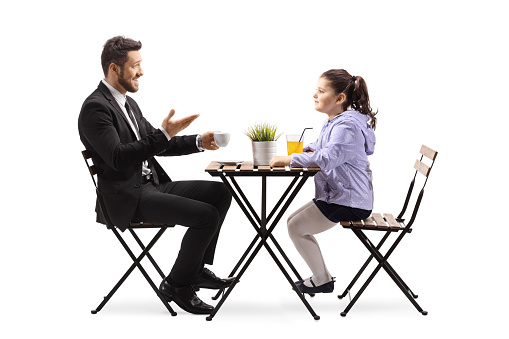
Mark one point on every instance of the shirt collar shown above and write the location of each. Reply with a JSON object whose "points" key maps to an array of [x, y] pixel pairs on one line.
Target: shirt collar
{"points": [[116, 94], [350, 113], [328, 122]]}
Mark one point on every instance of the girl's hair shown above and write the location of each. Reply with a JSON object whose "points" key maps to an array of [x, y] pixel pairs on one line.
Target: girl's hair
{"points": [[355, 90]]}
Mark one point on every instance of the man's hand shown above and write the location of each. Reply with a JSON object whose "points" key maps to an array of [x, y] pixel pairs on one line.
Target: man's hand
{"points": [[207, 141], [172, 127], [279, 161]]}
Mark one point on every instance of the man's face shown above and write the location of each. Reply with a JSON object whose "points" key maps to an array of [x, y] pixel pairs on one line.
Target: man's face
{"points": [[129, 74]]}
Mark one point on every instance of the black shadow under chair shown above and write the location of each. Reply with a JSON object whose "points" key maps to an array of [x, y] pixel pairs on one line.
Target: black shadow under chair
{"points": [[132, 227], [388, 224]]}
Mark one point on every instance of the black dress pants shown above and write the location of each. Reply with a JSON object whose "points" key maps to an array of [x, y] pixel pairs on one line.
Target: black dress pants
{"points": [[199, 205]]}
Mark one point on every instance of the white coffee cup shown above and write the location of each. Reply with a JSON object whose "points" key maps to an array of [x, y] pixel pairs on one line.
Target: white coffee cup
{"points": [[221, 139]]}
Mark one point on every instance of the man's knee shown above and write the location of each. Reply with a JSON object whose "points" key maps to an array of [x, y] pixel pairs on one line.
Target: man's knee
{"points": [[223, 191], [209, 217], [223, 197]]}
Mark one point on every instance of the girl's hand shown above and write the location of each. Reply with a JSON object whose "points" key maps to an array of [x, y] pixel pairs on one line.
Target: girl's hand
{"points": [[279, 161]]}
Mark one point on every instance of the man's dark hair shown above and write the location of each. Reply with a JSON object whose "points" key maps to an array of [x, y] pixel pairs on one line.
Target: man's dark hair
{"points": [[115, 51]]}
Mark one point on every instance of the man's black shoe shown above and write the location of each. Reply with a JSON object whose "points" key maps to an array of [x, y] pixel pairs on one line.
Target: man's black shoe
{"points": [[185, 298], [208, 279]]}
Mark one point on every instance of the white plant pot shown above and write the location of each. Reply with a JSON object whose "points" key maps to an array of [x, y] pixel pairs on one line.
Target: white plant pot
{"points": [[263, 151]]}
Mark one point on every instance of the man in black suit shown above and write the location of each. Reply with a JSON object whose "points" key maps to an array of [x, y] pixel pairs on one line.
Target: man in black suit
{"points": [[134, 186]]}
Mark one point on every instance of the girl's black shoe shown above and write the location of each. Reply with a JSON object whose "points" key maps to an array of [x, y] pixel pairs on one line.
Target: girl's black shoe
{"points": [[325, 288]]}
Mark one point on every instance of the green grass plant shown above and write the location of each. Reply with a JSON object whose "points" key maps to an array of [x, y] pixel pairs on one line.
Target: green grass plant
{"points": [[262, 132]]}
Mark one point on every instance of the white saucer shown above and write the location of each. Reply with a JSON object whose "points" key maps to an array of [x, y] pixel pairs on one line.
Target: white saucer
{"points": [[229, 162]]}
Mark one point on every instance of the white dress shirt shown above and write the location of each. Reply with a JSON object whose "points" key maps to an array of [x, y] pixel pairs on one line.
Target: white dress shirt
{"points": [[121, 99]]}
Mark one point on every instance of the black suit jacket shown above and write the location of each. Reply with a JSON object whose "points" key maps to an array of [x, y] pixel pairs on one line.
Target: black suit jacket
{"points": [[118, 155]]}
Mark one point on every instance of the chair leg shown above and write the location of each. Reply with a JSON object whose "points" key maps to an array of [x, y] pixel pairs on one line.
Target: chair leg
{"points": [[359, 293], [136, 263], [390, 271], [415, 296], [232, 274], [389, 252], [156, 266], [357, 276], [114, 289]]}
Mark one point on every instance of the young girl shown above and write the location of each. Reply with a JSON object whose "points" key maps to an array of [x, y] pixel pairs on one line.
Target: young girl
{"points": [[343, 188]]}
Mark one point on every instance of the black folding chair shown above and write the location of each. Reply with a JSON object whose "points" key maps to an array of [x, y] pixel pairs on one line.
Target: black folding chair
{"points": [[145, 249], [387, 223]]}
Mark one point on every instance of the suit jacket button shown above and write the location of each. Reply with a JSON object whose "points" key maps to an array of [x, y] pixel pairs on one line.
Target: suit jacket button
{"points": [[137, 186]]}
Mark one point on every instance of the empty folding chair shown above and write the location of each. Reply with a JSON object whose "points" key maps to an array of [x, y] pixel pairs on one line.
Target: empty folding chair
{"points": [[388, 224], [132, 227]]}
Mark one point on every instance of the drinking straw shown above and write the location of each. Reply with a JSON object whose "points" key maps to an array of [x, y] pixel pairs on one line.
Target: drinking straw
{"points": [[303, 132]]}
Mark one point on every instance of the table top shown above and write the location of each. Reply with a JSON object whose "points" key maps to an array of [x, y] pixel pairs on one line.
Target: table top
{"points": [[247, 168]]}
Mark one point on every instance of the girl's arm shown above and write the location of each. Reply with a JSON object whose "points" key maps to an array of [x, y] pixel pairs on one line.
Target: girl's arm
{"points": [[344, 143]]}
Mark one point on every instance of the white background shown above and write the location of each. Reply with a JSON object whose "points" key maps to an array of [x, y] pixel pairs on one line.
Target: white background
{"points": [[436, 70]]}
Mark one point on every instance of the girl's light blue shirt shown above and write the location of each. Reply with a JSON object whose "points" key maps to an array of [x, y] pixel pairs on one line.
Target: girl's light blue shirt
{"points": [[341, 151]]}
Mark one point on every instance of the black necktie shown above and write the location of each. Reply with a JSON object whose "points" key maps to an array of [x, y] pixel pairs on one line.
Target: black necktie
{"points": [[133, 120], [137, 131], [152, 168]]}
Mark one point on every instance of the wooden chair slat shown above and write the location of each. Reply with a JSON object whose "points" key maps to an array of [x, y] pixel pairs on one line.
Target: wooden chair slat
{"points": [[86, 154], [142, 223], [392, 221], [344, 223], [296, 169], [279, 169], [213, 166], [369, 222], [428, 152], [264, 168], [314, 169], [247, 166], [92, 169], [229, 168], [380, 222], [357, 223], [422, 167]]}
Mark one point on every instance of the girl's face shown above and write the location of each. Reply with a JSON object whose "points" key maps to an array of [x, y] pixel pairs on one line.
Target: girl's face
{"points": [[326, 101]]}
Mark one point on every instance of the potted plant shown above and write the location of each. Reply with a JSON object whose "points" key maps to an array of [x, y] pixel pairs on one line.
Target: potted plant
{"points": [[264, 142]]}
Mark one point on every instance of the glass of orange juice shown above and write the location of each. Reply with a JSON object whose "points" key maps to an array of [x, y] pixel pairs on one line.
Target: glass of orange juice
{"points": [[293, 144]]}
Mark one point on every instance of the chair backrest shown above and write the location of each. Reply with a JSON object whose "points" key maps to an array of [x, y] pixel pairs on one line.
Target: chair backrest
{"points": [[422, 168], [92, 169]]}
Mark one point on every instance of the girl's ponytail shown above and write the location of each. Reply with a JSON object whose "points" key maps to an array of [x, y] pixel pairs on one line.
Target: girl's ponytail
{"points": [[360, 99]]}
